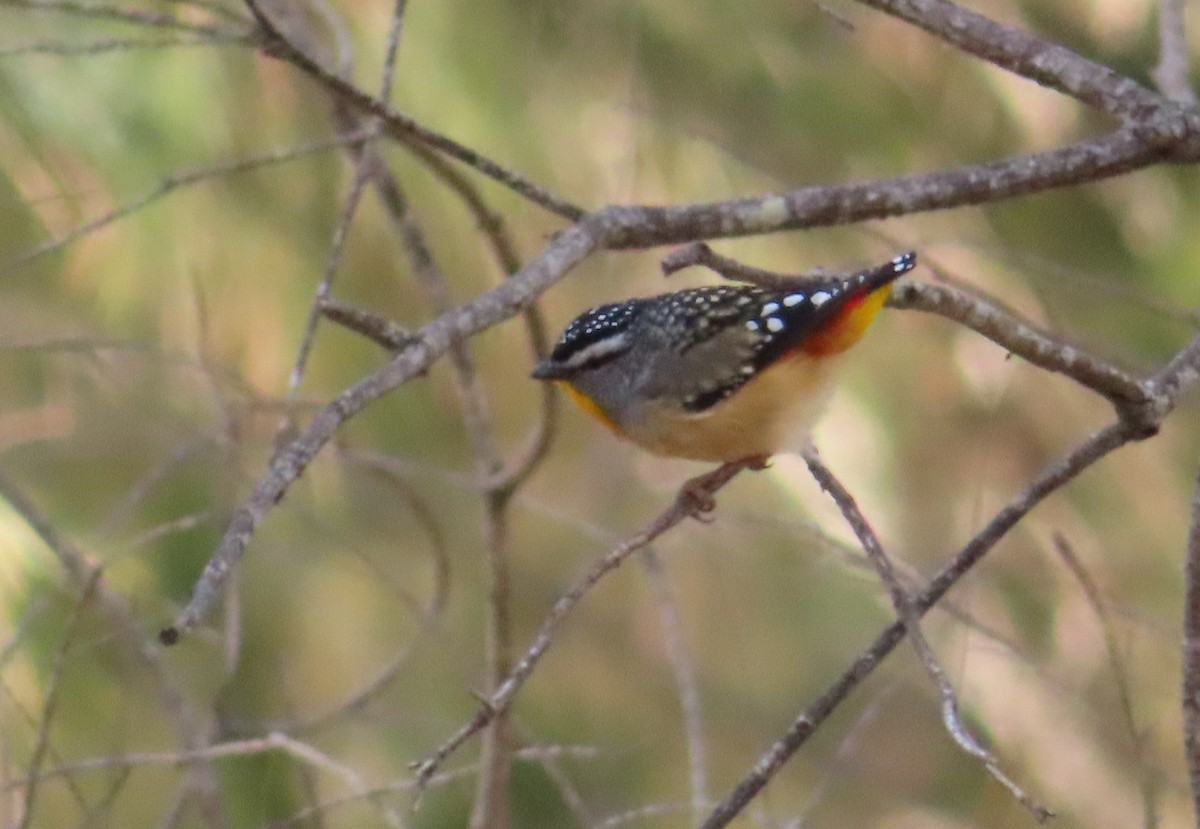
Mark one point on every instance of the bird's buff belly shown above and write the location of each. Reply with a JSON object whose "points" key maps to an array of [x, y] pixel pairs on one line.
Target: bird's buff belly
{"points": [[772, 413]]}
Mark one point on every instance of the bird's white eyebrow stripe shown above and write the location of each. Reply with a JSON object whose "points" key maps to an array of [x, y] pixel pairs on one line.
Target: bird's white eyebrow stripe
{"points": [[598, 349]]}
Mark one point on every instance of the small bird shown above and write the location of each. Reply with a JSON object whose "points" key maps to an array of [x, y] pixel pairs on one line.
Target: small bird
{"points": [[722, 373]]}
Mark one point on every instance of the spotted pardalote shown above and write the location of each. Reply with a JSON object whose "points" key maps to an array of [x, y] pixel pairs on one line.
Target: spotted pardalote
{"points": [[719, 373]]}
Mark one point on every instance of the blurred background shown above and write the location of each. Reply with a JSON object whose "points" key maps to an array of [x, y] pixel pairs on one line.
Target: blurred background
{"points": [[144, 367]]}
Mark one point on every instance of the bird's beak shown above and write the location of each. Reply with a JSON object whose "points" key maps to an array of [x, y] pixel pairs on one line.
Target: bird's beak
{"points": [[549, 370]]}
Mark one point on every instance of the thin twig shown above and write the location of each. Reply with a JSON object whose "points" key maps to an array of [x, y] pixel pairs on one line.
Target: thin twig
{"points": [[640, 814], [1174, 59], [1116, 664], [491, 802], [504, 250], [50, 706], [276, 741], [80, 569], [909, 617], [118, 14], [1191, 654], [833, 774], [404, 129], [428, 615], [535, 754], [325, 288], [215, 8], [34, 722], [699, 253], [28, 618], [687, 688], [175, 181], [368, 167], [693, 499], [567, 790], [392, 50], [166, 529], [144, 486], [59, 48], [98, 814]]}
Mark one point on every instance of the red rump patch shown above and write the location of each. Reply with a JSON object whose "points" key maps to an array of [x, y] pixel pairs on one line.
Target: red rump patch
{"points": [[848, 325]]}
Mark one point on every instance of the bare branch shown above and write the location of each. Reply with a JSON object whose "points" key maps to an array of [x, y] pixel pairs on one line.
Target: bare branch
{"points": [[1048, 64], [616, 227], [28, 618], [1180, 376], [380, 330], [1021, 338], [1128, 148], [698, 253], [1052, 478]]}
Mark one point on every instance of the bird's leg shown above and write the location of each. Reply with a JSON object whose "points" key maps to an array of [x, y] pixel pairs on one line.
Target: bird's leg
{"points": [[696, 495]]}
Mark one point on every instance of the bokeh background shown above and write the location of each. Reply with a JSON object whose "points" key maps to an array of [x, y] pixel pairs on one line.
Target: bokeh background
{"points": [[143, 367]]}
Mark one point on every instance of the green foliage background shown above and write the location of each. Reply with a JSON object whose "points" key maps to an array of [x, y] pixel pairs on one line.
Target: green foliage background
{"points": [[150, 356]]}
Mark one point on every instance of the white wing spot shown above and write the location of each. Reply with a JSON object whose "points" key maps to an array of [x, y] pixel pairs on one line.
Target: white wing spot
{"points": [[752, 326], [821, 297], [774, 325], [793, 299], [769, 308]]}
